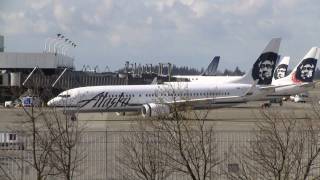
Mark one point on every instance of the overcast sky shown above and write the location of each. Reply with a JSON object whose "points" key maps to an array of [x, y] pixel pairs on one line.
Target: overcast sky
{"points": [[184, 32]]}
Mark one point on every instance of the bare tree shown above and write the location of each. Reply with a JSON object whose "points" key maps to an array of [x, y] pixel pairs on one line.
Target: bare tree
{"points": [[189, 146], [282, 148], [65, 133], [179, 145], [41, 143], [54, 137], [140, 158]]}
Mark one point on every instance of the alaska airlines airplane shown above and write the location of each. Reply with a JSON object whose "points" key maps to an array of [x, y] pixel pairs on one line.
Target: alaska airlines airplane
{"points": [[280, 72], [301, 77], [153, 100], [281, 69]]}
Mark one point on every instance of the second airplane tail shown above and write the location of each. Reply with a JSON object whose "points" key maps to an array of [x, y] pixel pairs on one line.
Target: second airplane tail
{"points": [[281, 69]]}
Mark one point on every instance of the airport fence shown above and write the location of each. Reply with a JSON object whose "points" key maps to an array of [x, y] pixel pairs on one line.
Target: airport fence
{"points": [[102, 150]]}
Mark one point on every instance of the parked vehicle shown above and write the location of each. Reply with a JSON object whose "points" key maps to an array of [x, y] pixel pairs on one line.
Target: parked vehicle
{"points": [[300, 98]]}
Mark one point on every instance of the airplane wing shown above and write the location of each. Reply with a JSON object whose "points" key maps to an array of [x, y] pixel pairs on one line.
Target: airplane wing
{"points": [[201, 101]]}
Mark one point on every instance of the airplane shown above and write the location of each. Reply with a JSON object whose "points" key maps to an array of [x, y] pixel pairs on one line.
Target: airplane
{"points": [[280, 72], [300, 79], [212, 68], [281, 69], [210, 71], [154, 100]]}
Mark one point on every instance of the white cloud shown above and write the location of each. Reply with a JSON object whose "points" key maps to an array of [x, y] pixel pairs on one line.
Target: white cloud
{"points": [[38, 4], [14, 22], [149, 20], [40, 26], [63, 14], [243, 7], [200, 8], [170, 26], [115, 39], [162, 4], [287, 3], [187, 2]]}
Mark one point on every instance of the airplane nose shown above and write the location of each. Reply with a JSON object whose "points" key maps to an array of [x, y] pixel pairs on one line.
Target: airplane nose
{"points": [[51, 102]]}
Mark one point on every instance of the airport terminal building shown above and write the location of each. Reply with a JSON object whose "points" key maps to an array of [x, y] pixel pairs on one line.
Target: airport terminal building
{"points": [[45, 71]]}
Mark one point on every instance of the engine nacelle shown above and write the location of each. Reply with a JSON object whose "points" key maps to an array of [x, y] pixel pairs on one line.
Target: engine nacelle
{"points": [[154, 110]]}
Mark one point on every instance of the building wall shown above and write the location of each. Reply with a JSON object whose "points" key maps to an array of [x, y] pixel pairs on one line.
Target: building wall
{"points": [[31, 60]]}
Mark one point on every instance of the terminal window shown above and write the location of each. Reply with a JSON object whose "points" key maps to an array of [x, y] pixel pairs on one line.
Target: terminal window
{"points": [[12, 137]]}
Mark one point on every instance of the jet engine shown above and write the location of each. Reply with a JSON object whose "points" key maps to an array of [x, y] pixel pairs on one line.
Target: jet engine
{"points": [[154, 110]]}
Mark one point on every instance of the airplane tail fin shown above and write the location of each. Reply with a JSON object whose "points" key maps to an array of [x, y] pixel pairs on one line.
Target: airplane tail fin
{"points": [[281, 69], [305, 70], [263, 68], [212, 68]]}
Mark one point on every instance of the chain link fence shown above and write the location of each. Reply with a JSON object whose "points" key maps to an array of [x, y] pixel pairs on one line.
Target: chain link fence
{"points": [[102, 150]]}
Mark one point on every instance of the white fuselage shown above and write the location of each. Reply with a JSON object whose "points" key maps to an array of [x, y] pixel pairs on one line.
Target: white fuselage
{"points": [[286, 88], [216, 79], [132, 97]]}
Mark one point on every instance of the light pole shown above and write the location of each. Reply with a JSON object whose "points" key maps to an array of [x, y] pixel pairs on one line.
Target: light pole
{"points": [[59, 44]]}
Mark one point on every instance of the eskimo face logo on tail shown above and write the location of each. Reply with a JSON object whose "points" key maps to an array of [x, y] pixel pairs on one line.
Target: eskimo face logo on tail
{"points": [[263, 68], [280, 71], [305, 71]]}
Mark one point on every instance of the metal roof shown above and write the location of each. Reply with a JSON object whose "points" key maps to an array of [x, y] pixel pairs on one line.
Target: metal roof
{"points": [[45, 60]]}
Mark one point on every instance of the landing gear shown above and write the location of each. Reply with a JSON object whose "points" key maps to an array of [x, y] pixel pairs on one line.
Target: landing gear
{"points": [[281, 103], [73, 117], [266, 105], [70, 115]]}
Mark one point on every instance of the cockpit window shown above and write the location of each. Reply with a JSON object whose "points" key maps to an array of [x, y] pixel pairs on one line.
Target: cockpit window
{"points": [[64, 95]]}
